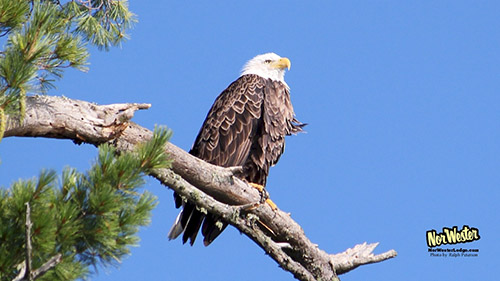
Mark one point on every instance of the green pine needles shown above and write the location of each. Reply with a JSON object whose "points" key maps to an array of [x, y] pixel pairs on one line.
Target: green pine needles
{"points": [[82, 219], [43, 37], [88, 218]]}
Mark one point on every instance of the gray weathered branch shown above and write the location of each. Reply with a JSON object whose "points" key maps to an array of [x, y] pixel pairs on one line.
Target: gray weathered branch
{"points": [[212, 188], [26, 273], [48, 265], [52, 262], [28, 249], [358, 255]]}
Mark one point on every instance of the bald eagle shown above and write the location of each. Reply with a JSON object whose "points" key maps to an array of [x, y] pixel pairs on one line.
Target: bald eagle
{"points": [[246, 126]]}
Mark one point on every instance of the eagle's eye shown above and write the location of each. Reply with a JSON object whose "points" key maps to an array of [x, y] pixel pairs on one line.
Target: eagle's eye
{"points": [[268, 61]]}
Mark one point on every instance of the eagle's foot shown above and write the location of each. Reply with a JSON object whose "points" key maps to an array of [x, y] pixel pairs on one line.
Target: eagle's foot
{"points": [[264, 198], [257, 186], [263, 192]]}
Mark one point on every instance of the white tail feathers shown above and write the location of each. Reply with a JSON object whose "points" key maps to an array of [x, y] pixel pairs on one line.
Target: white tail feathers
{"points": [[176, 228]]}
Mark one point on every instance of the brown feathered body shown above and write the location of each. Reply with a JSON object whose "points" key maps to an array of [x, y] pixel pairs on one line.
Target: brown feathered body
{"points": [[246, 126]]}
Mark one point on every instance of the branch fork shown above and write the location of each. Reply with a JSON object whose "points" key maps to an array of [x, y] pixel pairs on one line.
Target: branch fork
{"points": [[26, 272]]}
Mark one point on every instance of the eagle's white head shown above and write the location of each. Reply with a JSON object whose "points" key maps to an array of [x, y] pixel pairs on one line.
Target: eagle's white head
{"points": [[269, 66]]}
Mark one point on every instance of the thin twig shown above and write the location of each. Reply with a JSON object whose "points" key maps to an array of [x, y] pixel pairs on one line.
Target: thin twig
{"points": [[26, 272], [28, 275], [51, 263], [22, 272]]}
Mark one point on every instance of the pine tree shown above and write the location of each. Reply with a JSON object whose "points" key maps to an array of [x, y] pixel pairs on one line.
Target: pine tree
{"points": [[46, 36], [78, 220], [88, 219]]}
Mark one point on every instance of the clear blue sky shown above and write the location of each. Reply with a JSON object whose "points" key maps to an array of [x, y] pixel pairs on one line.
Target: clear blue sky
{"points": [[403, 104]]}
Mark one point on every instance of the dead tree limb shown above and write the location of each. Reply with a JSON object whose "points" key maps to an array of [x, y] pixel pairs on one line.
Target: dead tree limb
{"points": [[26, 273], [28, 249], [212, 188]]}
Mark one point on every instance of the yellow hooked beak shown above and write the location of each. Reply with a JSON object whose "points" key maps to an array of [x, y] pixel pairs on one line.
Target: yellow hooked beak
{"points": [[282, 63]]}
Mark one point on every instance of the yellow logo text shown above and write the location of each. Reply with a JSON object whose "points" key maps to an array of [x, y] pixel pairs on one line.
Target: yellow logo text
{"points": [[452, 236]]}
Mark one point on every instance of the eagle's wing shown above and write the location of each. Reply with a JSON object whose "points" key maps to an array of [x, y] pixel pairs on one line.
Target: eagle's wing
{"points": [[226, 136], [279, 121], [225, 139]]}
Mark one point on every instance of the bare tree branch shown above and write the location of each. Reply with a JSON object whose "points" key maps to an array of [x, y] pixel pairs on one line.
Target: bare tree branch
{"points": [[359, 255], [22, 272], [28, 249], [26, 272], [214, 189], [52, 262]]}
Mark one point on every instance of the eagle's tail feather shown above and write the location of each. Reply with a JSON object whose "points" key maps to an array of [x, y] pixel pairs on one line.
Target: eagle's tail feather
{"points": [[192, 227], [176, 228], [190, 221], [212, 227]]}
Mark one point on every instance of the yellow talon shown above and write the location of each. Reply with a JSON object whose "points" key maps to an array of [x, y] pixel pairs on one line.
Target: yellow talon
{"points": [[260, 188], [257, 186], [271, 204]]}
